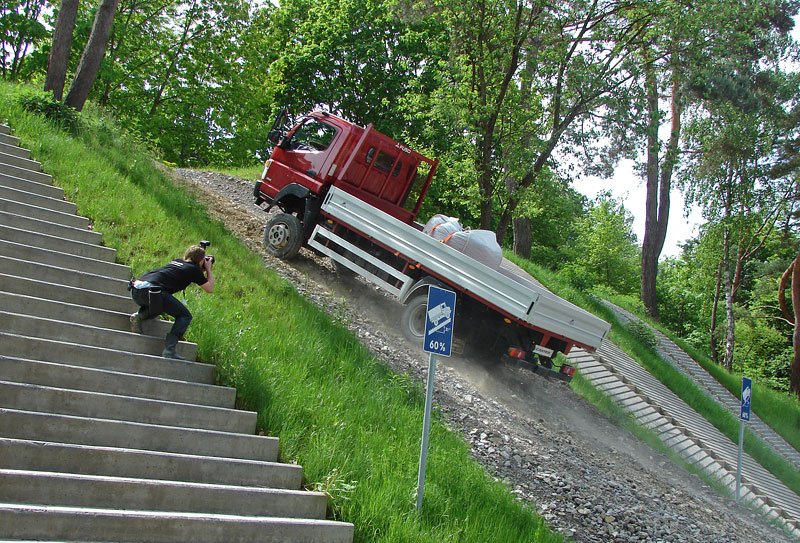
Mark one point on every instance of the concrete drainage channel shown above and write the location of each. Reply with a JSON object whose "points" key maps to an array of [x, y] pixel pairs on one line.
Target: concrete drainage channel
{"points": [[686, 432], [101, 439]]}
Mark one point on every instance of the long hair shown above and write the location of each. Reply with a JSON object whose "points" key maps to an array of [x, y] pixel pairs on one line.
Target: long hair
{"points": [[195, 254]]}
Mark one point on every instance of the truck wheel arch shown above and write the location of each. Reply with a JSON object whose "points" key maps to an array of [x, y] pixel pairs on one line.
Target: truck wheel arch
{"points": [[421, 288], [412, 320], [292, 199]]}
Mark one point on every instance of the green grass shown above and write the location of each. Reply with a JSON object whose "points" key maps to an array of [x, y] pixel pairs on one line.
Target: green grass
{"points": [[351, 423], [678, 382], [251, 173]]}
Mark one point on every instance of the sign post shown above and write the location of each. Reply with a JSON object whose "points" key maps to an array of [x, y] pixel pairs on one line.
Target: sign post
{"points": [[744, 416], [439, 315]]}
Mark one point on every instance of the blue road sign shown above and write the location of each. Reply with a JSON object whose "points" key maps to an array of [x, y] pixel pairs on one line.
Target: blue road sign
{"points": [[747, 393], [440, 314]]}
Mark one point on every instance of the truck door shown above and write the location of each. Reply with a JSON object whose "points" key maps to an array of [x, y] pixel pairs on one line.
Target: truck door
{"points": [[305, 150]]}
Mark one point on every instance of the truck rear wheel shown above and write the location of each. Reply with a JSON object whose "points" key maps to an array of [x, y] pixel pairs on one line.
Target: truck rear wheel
{"points": [[414, 317], [283, 236]]}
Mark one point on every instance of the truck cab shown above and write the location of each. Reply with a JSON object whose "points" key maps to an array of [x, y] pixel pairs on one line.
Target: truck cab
{"points": [[321, 150]]}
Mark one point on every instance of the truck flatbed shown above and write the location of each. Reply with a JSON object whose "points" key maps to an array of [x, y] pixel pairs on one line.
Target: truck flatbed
{"points": [[512, 295]]}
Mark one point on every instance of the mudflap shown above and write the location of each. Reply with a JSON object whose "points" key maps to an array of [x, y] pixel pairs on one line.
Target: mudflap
{"points": [[536, 368]]}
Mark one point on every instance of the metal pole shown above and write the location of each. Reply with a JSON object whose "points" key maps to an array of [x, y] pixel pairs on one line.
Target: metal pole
{"points": [[426, 426], [739, 460]]}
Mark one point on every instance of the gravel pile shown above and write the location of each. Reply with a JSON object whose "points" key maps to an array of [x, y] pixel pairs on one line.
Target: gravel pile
{"points": [[589, 479]]}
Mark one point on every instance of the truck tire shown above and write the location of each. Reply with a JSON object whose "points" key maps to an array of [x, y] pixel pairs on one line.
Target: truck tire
{"points": [[412, 321], [283, 236]]}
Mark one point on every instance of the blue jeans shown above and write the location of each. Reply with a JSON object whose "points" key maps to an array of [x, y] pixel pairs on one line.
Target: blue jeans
{"points": [[169, 304]]}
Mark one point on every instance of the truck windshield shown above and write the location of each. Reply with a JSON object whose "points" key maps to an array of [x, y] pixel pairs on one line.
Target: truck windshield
{"points": [[312, 135]]}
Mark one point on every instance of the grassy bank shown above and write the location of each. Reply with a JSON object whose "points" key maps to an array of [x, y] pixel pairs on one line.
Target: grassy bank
{"points": [[352, 424], [682, 385]]}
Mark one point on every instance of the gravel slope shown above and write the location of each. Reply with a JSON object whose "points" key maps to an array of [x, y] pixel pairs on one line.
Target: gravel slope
{"points": [[590, 479]]}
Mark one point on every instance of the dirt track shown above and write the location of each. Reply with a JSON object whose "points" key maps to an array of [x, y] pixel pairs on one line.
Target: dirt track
{"points": [[590, 479]]}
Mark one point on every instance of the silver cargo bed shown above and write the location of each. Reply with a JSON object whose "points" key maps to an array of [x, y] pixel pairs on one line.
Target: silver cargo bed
{"points": [[503, 289]]}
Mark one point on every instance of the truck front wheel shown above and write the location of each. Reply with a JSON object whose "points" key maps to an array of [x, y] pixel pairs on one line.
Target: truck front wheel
{"points": [[283, 236], [413, 319]]}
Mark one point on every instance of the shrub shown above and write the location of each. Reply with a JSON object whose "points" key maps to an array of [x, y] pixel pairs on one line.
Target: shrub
{"points": [[58, 113], [643, 333]]}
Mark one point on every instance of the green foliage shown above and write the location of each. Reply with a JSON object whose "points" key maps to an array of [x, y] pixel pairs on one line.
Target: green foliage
{"points": [[21, 32], [58, 113], [604, 250], [642, 333], [180, 74], [684, 295]]}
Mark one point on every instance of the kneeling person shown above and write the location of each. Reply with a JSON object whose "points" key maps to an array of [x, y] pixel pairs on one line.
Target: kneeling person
{"points": [[154, 291]]}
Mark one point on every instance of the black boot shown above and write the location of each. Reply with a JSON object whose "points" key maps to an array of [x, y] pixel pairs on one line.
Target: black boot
{"points": [[170, 344]]}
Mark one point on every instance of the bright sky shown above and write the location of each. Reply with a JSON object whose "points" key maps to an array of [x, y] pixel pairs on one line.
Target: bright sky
{"points": [[630, 187]]}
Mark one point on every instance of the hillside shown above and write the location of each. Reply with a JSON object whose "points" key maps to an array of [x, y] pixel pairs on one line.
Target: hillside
{"points": [[588, 477]]}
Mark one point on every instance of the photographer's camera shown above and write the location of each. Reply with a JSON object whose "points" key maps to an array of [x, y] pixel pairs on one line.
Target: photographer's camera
{"points": [[205, 244]]}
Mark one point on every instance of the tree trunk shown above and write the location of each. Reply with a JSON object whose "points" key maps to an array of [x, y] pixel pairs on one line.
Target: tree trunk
{"points": [[92, 55], [794, 377], [730, 326], [659, 184], [712, 341], [792, 274], [522, 237], [62, 44], [649, 252]]}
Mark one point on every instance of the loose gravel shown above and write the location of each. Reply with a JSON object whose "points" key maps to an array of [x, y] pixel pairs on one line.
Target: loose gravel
{"points": [[590, 479]]}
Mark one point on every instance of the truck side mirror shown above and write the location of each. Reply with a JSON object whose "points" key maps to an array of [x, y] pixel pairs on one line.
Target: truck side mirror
{"points": [[274, 136]]}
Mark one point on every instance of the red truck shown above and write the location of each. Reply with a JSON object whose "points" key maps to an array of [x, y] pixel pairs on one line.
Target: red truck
{"points": [[353, 194]]}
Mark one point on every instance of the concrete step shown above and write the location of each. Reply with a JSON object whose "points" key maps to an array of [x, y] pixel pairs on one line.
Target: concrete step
{"points": [[23, 222], [12, 159], [120, 303], [63, 330], [76, 524], [118, 462], [15, 149], [63, 245], [46, 306], [31, 198], [58, 267], [51, 374], [78, 403], [74, 354], [108, 492], [42, 213], [24, 185], [25, 173], [9, 139], [31, 425]]}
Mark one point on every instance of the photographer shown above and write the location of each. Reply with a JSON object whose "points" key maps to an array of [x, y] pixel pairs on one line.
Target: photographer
{"points": [[153, 292]]}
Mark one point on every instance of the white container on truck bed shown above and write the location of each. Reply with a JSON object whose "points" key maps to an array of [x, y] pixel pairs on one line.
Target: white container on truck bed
{"points": [[504, 291]]}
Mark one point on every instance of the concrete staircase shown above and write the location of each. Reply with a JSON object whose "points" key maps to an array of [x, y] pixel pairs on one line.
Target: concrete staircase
{"points": [[101, 439]]}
